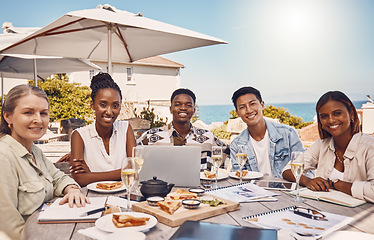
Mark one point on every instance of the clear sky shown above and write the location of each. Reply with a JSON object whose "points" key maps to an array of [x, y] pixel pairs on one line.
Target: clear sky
{"points": [[291, 50]]}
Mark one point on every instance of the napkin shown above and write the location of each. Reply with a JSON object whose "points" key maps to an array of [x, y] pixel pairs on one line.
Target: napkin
{"points": [[94, 232], [118, 201]]}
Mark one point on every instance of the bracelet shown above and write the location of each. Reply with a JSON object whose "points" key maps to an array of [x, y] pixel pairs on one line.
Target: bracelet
{"points": [[333, 186]]}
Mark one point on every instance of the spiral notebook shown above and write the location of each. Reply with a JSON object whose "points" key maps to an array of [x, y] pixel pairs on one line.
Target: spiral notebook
{"points": [[285, 218], [244, 192], [332, 196]]}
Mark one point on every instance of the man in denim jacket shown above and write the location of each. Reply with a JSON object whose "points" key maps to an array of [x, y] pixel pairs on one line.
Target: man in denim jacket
{"points": [[269, 144]]}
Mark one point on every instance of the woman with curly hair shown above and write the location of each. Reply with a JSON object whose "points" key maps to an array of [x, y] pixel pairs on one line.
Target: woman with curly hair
{"points": [[97, 150]]}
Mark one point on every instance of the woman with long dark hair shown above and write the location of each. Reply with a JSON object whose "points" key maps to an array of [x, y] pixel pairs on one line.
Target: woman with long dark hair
{"points": [[343, 156]]}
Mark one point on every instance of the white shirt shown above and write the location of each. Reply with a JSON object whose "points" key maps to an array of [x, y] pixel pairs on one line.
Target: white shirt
{"points": [[336, 175], [261, 150], [95, 155]]}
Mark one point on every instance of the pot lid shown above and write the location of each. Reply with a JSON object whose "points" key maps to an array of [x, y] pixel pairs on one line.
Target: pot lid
{"points": [[155, 181]]}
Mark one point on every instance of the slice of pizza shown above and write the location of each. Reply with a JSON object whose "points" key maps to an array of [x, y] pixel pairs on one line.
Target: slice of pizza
{"points": [[109, 186], [209, 174], [169, 206], [123, 220], [180, 194], [244, 172]]}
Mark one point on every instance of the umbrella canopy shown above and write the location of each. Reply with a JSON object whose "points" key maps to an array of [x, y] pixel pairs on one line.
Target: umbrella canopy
{"points": [[22, 66], [95, 33]]}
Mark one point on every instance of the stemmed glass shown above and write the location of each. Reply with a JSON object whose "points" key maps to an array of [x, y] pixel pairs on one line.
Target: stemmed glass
{"points": [[138, 153], [297, 168], [217, 161], [241, 157], [128, 175]]}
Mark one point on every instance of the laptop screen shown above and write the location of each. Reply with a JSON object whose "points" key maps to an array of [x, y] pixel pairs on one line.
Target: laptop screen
{"points": [[174, 164]]}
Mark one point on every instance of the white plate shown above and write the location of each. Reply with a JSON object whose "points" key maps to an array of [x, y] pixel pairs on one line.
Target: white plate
{"points": [[250, 175], [105, 223], [221, 176], [340, 235], [128, 235], [92, 187]]}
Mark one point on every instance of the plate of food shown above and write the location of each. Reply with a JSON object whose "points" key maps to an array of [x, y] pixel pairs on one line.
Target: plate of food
{"points": [[124, 221], [247, 175], [207, 175], [106, 186]]}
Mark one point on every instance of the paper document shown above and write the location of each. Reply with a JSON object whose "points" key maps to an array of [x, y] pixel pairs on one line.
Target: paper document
{"points": [[63, 213], [245, 192]]}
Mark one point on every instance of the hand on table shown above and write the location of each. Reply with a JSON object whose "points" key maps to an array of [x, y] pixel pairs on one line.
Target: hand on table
{"points": [[74, 195], [79, 166], [318, 184]]}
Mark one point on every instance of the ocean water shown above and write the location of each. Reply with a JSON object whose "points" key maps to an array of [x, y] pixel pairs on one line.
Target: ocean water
{"points": [[221, 113]]}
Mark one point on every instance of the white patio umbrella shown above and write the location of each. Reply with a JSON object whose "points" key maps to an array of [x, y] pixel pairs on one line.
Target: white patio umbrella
{"points": [[108, 34], [35, 66], [22, 66]]}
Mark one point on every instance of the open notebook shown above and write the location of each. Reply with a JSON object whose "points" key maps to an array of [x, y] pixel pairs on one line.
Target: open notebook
{"points": [[332, 196], [285, 218], [56, 213]]}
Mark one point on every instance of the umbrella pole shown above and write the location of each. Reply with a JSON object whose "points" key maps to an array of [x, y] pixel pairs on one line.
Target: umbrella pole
{"points": [[110, 71], [2, 89], [35, 74]]}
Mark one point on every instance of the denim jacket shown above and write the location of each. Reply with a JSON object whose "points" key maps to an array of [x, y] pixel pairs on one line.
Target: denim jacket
{"points": [[283, 140]]}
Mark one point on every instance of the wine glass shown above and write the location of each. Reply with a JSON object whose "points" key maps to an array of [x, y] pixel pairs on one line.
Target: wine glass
{"points": [[138, 153], [128, 175], [217, 161], [297, 168], [241, 157]]}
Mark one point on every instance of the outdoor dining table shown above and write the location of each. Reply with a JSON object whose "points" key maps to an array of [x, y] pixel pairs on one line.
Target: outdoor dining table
{"points": [[363, 217]]}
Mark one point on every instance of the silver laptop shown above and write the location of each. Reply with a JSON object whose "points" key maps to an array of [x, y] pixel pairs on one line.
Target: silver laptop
{"points": [[174, 164]]}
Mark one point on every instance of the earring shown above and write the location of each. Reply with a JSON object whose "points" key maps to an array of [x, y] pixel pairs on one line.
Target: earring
{"points": [[10, 126], [351, 120]]}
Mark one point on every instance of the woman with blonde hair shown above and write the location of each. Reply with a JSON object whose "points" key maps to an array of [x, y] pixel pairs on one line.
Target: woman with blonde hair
{"points": [[27, 177]]}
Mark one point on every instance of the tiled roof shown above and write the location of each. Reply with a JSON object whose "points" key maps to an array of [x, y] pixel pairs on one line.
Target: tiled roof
{"points": [[158, 61]]}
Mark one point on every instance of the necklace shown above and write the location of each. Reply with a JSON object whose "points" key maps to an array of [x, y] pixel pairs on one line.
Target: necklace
{"points": [[337, 157]]}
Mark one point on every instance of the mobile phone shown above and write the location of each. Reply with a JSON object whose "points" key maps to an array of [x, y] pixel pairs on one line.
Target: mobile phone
{"points": [[134, 197], [275, 185]]}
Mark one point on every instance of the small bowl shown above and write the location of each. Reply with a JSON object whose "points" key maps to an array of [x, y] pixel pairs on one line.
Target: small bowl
{"points": [[154, 200], [198, 191], [191, 203]]}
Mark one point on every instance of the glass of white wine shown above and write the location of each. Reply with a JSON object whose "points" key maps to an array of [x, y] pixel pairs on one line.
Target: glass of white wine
{"points": [[297, 168], [138, 153], [241, 158], [217, 161], [128, 175]]}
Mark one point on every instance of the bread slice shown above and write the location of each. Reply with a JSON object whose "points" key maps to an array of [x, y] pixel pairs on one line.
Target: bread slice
{"points": [[209, 174], [109, 186], [112, 209], [123, 220], [244, 172], [169, 206], [180, 194]]}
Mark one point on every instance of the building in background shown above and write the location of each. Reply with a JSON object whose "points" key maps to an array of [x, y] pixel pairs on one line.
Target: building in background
{"points": [[150, 80]]}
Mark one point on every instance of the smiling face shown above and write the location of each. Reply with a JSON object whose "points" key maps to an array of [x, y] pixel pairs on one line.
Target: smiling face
{"points": [[29, 119], [335, 118], [249, 109], [182, 108], [107, 106]]}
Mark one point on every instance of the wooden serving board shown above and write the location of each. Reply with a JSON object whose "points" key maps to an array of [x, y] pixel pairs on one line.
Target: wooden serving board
{"points": [[183, 214]]}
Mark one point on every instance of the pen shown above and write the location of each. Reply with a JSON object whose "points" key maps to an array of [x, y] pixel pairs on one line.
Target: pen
{"points": [[95, 211], [308, 215]]}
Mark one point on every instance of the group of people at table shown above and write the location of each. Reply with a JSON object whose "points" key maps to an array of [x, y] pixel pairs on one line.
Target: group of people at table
{"points": [[343, 157]]}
